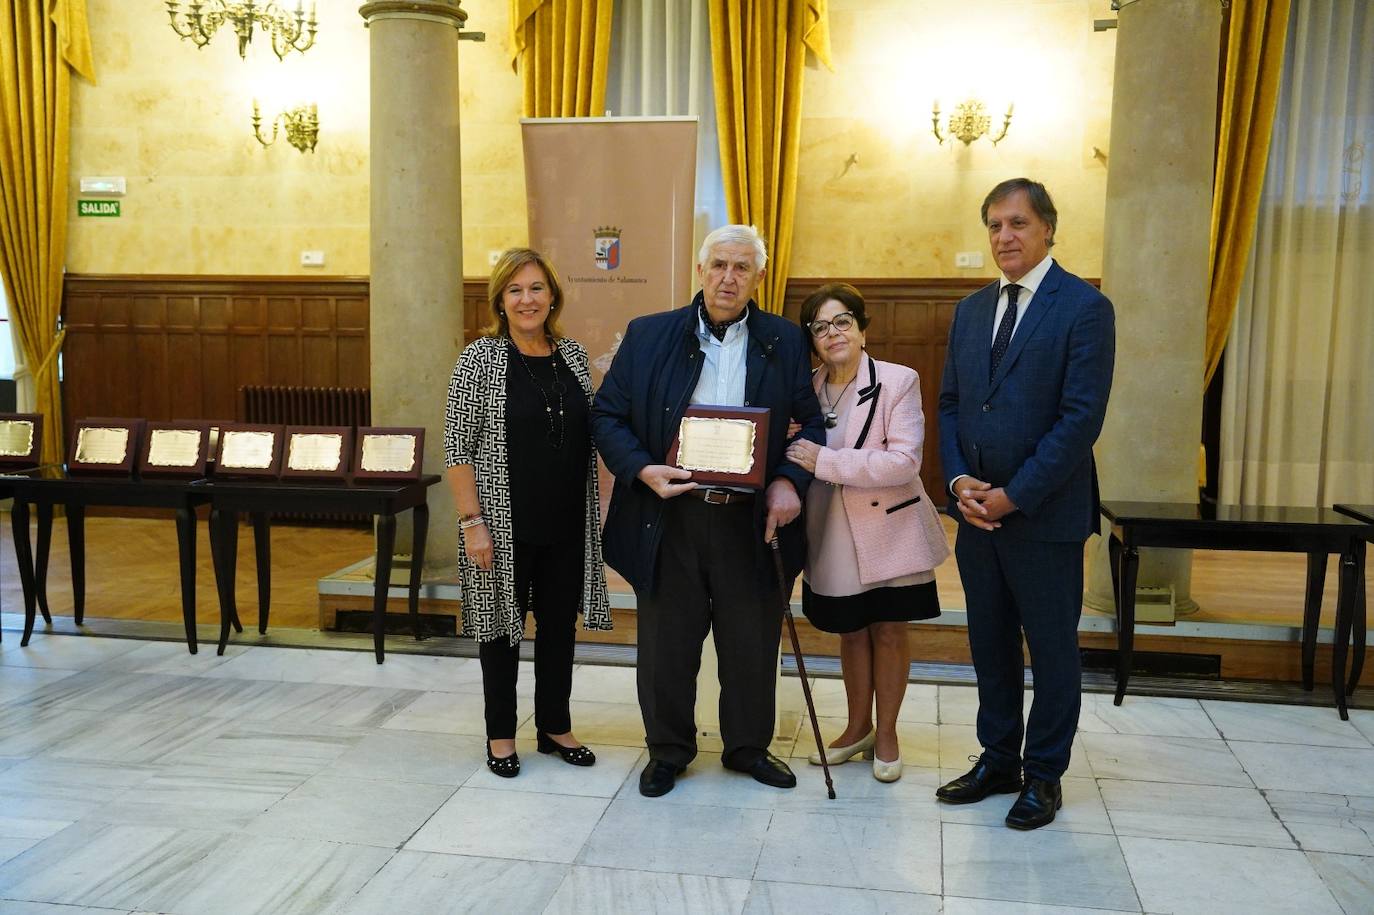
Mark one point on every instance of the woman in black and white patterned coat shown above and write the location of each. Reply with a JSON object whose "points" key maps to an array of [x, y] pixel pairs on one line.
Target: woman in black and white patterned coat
{"points": [[523, 472]]}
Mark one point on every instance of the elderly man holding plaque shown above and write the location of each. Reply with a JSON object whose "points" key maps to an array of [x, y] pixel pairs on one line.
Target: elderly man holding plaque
{"points": [[692, 419]]}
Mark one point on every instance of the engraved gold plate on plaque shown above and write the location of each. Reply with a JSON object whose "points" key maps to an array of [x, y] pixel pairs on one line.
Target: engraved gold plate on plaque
{"points": [[716, 444], [16, 437], [248, 450], [315, 451], [101, 445], [388, 453], [174, 447]]}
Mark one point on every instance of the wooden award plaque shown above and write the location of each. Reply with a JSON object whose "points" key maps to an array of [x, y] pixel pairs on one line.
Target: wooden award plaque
{"points": [[723, 446], [176, 449], [317, 453], [104, 446], [21, 439], [249, 450], [389, 453]]}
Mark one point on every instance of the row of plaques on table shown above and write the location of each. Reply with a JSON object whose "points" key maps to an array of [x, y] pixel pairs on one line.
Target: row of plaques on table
{"points": [[236, 450]]}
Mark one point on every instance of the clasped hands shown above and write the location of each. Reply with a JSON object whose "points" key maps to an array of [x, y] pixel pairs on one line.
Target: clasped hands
{"points": [[784, 505], [982, 505]]}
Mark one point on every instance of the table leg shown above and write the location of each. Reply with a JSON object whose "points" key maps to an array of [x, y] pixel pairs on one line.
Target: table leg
{"points": [[386, 542], [40, 568], [76, 544], [1311, 615], [224, 525], [1125, 622], [262, 545], [23, 556], [1114, 561], [1345, 605], [417, 564], [1357, 662], [186, 553]]}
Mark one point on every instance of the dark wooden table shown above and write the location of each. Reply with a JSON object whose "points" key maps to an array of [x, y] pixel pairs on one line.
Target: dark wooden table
{"points": [[382, 500], [1315, 532], [45, 487], [1365, 514]]}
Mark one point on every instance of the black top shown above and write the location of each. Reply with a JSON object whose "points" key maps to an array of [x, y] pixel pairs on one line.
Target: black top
{"points": [[548, 451]]}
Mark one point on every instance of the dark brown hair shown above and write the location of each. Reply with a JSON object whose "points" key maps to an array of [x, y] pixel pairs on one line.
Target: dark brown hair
{"points": [[1039, 200], [511, 262], [843, 293]]}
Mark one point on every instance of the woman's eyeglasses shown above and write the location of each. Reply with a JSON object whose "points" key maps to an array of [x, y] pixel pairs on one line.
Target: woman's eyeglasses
{"points": [[842, 322]]}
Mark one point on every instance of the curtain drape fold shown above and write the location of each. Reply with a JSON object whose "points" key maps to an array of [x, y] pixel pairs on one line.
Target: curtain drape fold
{"points": [[41, 44], [758, 50], [561, 49], [1250, 91]]}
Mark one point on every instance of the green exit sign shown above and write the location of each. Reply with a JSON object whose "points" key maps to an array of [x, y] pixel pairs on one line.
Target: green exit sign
{"points": [[97, 208]]}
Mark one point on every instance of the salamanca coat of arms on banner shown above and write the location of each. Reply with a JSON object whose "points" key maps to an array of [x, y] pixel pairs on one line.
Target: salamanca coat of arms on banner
{"points": [[606, 247]]}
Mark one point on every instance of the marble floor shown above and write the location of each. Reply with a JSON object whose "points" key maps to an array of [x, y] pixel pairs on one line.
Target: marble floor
{"points": [[137, 778]]}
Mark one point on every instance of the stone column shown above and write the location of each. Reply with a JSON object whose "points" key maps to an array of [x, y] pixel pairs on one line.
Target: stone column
{"points": [[416, 236], [1155, 268]]}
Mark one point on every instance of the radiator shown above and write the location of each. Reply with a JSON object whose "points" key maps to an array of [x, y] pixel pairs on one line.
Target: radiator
{"points": [[299, 406], [294, 406]]}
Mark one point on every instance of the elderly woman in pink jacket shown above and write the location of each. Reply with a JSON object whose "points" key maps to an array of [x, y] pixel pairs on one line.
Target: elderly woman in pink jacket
{"points": [[874, 539]]}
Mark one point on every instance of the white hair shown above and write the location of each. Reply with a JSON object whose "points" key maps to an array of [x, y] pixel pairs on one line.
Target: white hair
{"points": [[735, 235]]}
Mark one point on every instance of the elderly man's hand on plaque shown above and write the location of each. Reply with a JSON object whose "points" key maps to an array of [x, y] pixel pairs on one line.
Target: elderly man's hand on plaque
{"points": [[666, 481], [783, 506]]}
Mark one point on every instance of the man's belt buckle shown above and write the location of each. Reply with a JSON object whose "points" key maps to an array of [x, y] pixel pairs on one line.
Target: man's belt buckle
{"points": [[717, 496]]}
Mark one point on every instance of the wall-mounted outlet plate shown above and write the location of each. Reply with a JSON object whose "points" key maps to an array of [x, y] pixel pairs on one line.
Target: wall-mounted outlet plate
{"points": [[968, 259], [312, 258]]}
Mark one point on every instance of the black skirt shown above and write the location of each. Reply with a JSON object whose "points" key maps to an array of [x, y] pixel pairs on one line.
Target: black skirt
{"points": [[853, 612]]}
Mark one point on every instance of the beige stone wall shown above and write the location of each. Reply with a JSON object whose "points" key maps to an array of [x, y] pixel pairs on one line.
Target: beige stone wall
{"points": [[205, 197], [907, 205]]}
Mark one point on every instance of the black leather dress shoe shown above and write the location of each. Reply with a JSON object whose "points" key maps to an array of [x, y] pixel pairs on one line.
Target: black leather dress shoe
{"points": [[978, 782], [768, 770], [658, 778], [1036, 805]]}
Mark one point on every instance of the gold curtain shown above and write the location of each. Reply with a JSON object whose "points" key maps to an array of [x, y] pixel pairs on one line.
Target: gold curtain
{"points": [[757, 52], [1250, 92], [41, 43], [561, 49]]}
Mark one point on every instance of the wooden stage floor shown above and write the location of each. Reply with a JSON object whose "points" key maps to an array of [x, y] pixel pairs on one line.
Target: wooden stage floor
{"points": [[132, 574]]}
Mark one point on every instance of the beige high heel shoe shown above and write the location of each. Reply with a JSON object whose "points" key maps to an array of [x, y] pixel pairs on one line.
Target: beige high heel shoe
{"points": [[887, 771], [836, 755]]}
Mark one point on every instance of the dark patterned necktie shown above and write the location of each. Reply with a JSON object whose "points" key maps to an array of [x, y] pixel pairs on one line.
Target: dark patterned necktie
{"points": [[1003, 338]]}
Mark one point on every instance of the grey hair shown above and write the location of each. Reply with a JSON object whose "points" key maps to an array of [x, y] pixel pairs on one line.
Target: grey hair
{"points": [[735, 235]]}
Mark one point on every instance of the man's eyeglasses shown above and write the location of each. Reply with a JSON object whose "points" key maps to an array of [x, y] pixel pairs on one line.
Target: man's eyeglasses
{"points": [[843, 322]]}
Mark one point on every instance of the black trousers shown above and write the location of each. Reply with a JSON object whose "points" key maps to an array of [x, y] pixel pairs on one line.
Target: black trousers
{"points": [[1013, 586], [548, 581], [707, 581]]}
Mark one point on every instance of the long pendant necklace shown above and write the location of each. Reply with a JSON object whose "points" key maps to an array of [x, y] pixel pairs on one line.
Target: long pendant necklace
{"points": [[555, 433], [832, 419]]}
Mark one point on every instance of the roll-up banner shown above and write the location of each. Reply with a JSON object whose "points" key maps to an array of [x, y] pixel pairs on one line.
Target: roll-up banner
{"points": [[611, 205]]}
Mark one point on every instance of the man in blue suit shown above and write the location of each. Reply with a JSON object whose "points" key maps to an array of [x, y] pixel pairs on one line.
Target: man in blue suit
{"points": [[698, 557], [1026, 381]]}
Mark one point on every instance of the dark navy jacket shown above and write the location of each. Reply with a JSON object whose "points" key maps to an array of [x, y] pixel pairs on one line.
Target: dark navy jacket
{"points": [[640, 405], [1031, 428]]}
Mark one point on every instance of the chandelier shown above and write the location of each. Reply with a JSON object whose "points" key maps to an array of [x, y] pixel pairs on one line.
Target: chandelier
{"points": [[302, 126], [968, 122], [200, 19]]}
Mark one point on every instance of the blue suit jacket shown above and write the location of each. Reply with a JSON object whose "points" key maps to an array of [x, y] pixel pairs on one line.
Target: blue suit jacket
{"points": [[639, 407], [1031, 428]]}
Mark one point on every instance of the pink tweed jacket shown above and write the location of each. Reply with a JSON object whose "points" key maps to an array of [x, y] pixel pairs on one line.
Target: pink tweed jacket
{"points": [[896, 529]]}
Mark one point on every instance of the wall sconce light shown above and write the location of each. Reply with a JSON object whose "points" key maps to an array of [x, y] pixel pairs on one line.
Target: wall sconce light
{"points": [[302, 126], [202, 18], [968, 122]]}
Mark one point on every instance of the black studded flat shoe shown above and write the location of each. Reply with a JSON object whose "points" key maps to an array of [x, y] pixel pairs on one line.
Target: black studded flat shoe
{"points": [[573, 756], [504, 766]]}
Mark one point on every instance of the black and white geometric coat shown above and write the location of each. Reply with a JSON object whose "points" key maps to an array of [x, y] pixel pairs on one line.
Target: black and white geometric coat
{"points": [[475, 433]]}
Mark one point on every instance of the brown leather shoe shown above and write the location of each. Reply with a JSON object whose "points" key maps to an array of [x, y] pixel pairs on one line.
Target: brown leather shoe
{"points": [[1036, 805], [978, 782]]}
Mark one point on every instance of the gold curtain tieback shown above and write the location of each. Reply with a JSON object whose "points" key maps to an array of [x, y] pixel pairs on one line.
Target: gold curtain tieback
{"points": [[51, 356]]}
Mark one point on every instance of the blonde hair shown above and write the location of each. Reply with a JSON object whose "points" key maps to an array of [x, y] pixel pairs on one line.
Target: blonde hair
{"points": [[511, 262]]}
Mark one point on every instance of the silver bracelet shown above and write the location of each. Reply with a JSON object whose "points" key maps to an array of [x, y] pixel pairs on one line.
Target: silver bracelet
{"points": [[471, 522]]}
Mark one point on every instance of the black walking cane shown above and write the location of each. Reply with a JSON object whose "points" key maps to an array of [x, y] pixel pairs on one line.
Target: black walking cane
{"points": [[801, 664]]}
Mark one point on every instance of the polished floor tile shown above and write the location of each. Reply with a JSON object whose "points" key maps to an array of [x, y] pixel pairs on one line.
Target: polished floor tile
{"points": [[901, 854], [1322, 770], [1181, 760], [1042, 867], [352, 810], [445, 713], [412, 756], [1146, 715], [548, 774], [1083, 809], [617, 724], [918, 742], [959, 906], [511, 824], [17, 683], [1337, 823], [641, 834], [595, 890], [67, 652], [767, 898], [1309, 725], [434, 884], [170, 658], [959, 747], [353, 668], [1350, 879], [1207, 813], [1179, 876]]}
